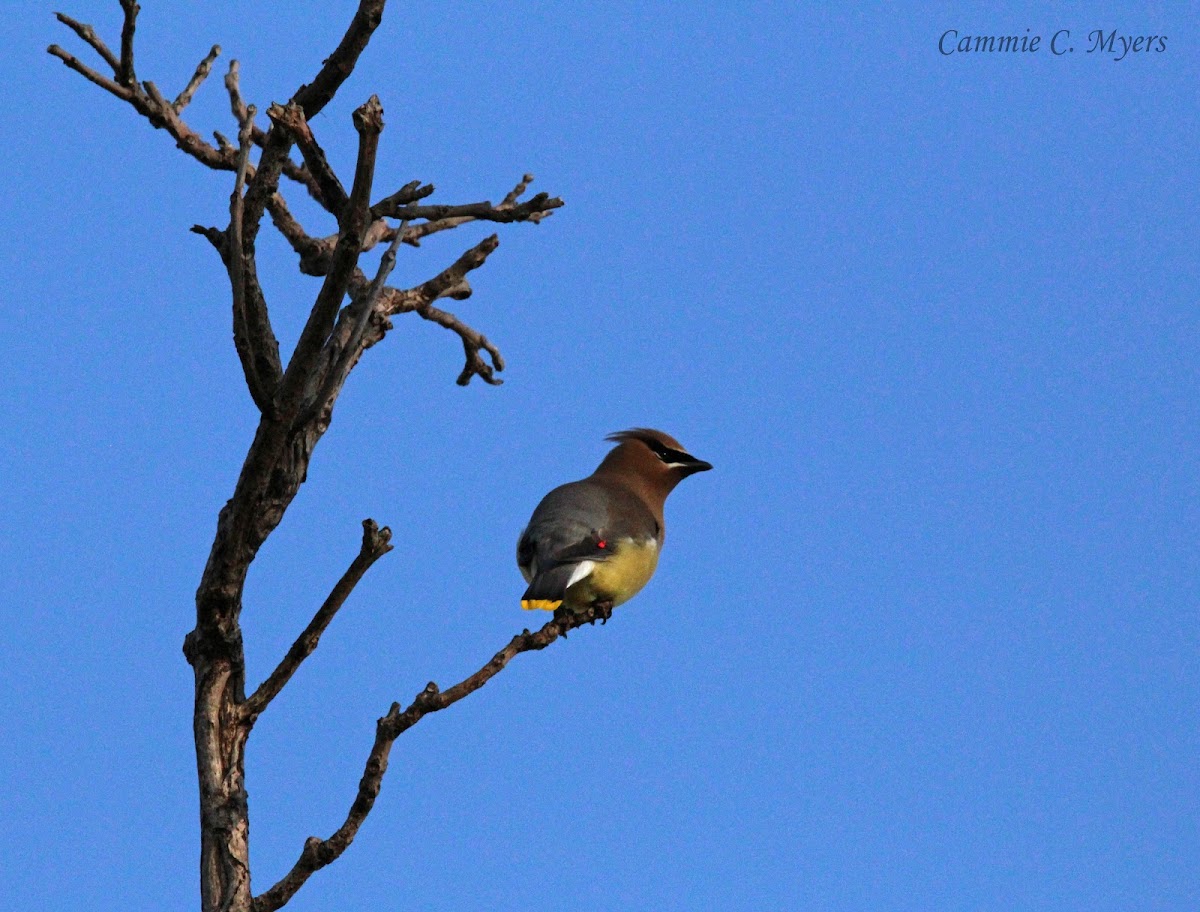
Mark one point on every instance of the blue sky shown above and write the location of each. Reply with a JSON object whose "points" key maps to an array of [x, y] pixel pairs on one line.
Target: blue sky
{"points": [[926, 639]]}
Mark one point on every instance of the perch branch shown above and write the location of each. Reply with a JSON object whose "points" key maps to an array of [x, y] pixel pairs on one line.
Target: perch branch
{"points": [[376, 542], [317, 853]]}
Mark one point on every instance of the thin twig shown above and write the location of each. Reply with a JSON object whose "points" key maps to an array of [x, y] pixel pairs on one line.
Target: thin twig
{"points": [[473, 342], [318, 250], [376, 542], [215, 236], [236, 104], [88, 34], [409, 193], [451, 282], [203, 68], [122, 92], [515, 193]]}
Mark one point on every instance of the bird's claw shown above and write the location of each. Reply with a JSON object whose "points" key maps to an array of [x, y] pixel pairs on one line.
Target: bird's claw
{"points": [[602, 611]]}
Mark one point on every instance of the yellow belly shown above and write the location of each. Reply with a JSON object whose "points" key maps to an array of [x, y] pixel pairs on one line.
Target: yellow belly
{"points": [[619, 578]]}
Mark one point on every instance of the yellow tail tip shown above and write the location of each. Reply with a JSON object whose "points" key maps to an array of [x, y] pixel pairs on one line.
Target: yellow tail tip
{"points": [[540, 604]]}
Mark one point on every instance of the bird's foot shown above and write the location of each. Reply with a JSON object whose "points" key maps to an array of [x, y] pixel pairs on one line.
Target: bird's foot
{"points": [[601, 611], [563, 617]]}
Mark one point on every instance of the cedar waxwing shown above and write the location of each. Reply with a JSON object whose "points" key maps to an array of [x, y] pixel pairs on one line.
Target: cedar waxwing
{"points": [[594, 543]]}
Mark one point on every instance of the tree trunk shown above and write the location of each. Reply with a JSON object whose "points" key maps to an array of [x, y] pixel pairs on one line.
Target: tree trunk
{"points": [[220, 734]]}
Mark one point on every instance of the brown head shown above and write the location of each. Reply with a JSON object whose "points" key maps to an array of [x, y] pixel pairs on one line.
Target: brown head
{"points": [[650, 462]]}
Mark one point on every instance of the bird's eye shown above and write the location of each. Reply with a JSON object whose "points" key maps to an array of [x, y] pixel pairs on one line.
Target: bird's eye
{"points": [[667, 454], [660, 451]]}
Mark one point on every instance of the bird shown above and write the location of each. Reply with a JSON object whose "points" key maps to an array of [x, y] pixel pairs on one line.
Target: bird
{"points": [[592, 544]]}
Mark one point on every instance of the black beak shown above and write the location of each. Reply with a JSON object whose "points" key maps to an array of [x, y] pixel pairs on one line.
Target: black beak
{"points": [[693, 465]]}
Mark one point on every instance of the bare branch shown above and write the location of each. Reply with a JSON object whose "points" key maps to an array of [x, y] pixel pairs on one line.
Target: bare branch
{"points": [[215, 236], [317, 251], [291, 118], [275, 145], [515, 193], [276, 464], [451, 282], [346, 355], [409, 193], [473, 341], [318, 853], [312, 98], [293, 171], [236, 104], [376, 542], [302, 176], [122, 92], [534, 208], [445, 218], [88, 34], [237, 260], [368, 121], [292, 231], [224, 157], [126, 76], [534, 211], [340, 64], [252, 337], [265, 182], [203, 68]]}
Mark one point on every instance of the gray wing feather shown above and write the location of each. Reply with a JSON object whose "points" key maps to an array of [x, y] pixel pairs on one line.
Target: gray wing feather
{"points": [[575, 513]]}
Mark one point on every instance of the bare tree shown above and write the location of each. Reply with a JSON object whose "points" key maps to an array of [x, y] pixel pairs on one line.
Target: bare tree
{"points": [[350, 314]]}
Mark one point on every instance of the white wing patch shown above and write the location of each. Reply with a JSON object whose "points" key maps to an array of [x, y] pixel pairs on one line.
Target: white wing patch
{"points": [[582, 569]]}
